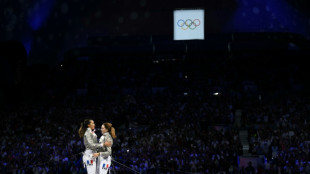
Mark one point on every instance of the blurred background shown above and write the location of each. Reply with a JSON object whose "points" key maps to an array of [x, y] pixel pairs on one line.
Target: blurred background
{"points": [[235, 102], [48, 28]]}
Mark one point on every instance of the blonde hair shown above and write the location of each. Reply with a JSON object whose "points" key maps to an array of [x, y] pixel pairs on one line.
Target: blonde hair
{"points": [[110, 129]]}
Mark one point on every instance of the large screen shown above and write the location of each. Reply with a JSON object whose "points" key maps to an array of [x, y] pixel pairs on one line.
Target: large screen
{"points": [[188, 24]]}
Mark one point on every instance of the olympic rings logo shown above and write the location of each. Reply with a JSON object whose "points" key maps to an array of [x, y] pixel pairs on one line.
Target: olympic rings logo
{"points": [[188, 24]]}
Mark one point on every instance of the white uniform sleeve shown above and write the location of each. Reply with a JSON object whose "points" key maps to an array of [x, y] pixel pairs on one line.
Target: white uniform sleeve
{"points": [[101, 141], [108, 150]]}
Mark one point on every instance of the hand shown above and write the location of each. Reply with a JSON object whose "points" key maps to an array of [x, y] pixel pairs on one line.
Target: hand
{"points": [[95, 155], [107, 144]]}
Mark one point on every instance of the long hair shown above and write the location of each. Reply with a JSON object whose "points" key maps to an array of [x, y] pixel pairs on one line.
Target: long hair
{"points": [[84, 126], [110, 128]]}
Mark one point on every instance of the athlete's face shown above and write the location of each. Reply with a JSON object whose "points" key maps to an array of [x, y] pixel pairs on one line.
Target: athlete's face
{"points": [[103, 129], [91, 125]]}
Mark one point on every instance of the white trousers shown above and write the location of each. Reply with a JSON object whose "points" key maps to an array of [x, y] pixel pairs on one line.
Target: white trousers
{"points": [[104, 164], [89, 162]]}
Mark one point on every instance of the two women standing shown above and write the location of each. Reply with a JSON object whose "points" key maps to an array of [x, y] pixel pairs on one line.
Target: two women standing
{"points": [[93, 149]]}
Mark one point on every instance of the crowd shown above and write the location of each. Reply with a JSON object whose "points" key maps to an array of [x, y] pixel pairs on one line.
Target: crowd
{"points": [[167, 120], [284, 140], [159, 137]]}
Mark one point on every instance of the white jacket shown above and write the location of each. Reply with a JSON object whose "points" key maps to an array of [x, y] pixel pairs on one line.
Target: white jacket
{"points": [[90, 140], [105, 151]]}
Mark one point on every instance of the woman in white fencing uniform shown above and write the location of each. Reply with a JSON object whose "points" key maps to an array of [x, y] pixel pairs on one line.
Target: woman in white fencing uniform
{"points": [[105, 153], [87, 132]]}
